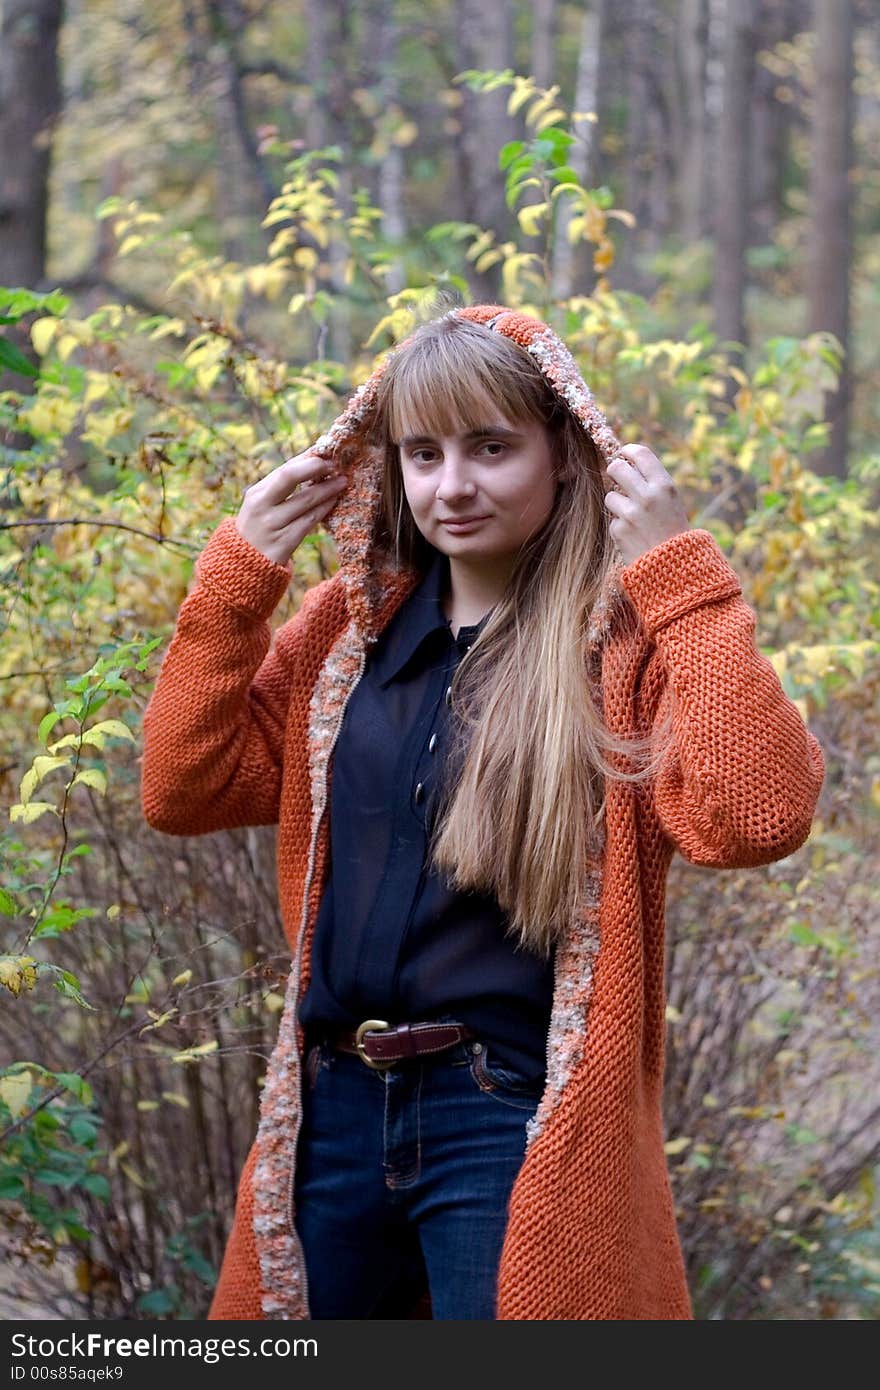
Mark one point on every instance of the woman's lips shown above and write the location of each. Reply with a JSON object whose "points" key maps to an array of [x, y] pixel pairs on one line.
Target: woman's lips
{"points": [[464, 525]]}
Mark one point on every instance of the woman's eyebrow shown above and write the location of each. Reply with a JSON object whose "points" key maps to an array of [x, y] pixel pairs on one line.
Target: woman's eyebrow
{"points": [[481, 433]]}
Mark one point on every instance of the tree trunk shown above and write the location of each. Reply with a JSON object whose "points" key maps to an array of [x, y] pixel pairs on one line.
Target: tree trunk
{"points": [[572, 264], [544, 26], [243, 188], [731, 195], [329, 75], [639, 55], [770, 125], [693, 30], [382, 38], [485, 40], [30, 101], [830, 204]]}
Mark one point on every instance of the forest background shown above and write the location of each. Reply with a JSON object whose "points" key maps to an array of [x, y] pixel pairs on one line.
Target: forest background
{"points": [[213, 216]]}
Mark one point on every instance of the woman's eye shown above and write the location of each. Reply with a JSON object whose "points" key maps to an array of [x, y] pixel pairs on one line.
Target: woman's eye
{"points": [[417, 455]]}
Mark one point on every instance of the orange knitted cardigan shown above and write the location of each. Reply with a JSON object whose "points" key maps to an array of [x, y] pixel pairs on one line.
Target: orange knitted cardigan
{"points": [[240, 729]]}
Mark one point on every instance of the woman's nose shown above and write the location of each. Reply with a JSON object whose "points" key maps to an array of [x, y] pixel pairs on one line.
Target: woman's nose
{"points": [[454, 479]]}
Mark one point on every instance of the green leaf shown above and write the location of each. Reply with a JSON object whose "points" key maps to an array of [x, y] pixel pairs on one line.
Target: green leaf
{"points": [[48, 722], [97, 1185], [7, 904], [19, 302], [157, 1302], [564, 174], [14, 360], [61, 918], [509, 152], [800, 933], [68, 985], [75, 1083], [53, 1177]]}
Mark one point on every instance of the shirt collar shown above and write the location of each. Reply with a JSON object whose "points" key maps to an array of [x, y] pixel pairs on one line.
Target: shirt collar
{"points": [[421, 615]]}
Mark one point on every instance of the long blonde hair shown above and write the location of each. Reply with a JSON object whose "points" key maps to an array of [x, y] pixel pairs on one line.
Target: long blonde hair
{"points": [[520, 810]]}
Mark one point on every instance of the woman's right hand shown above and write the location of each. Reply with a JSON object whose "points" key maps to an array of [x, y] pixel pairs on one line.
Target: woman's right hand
{"points": [[280, 510]]}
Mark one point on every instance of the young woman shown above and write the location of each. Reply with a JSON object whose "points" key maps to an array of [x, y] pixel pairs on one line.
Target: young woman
{"points": [[528, 683]]}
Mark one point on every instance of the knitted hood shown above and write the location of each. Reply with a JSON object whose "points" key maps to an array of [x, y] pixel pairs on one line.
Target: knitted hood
{"points": [[353, 521]]}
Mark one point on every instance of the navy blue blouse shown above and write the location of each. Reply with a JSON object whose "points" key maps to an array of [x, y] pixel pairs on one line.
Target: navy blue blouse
{"points": [[392, 940]]}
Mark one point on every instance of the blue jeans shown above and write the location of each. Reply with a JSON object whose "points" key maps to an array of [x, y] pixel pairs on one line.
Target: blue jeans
{"points": [[403, 1177]]}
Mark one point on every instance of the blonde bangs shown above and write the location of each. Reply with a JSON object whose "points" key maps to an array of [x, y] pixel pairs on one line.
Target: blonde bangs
{"points": [[451, 381]]}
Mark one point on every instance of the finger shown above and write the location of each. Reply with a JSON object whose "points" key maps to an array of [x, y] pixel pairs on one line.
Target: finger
{"points": [[305, 469], [642, 459], [308, 497], [618, 505], [628, 477]]}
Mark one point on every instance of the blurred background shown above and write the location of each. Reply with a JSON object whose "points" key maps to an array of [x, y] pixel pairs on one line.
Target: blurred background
{"points": [[213, 216]]}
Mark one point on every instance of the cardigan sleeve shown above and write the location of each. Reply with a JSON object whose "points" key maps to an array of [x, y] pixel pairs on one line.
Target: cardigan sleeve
{"points": [[213, 728], [742, 776]]}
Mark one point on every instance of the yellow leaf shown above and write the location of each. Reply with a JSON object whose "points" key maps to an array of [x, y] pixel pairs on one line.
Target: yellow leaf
{"points": [[129, 244], [552, 116], [91, 777], [523, 88], [113, 728], [676, 1146], [542, 105], [273, 1002], [113, 910], [148, 1105], [140, 993], [41, 768], [206, 376], [192, 1054], [673, 1015], [42, 333], [14, 1091], [133, 1174], [31, 812], [176, 1099], [68, 741], [159, 1020], [530, 216], [18, 973], [66, 344], [183, 978]]}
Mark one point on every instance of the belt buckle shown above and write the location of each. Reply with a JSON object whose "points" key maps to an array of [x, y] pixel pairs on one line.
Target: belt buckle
{"points": [[371, 1025]]}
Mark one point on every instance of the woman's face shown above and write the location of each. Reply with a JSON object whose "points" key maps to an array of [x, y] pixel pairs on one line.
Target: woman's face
{"points": [[504, 473]]}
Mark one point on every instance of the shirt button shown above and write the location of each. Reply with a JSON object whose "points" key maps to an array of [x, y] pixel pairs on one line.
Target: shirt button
{"points": [[432, 743], [419, 792], [449, 696]]}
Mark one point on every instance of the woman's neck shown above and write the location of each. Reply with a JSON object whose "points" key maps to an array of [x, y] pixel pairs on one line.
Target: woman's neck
{"points": [[473, 589]]}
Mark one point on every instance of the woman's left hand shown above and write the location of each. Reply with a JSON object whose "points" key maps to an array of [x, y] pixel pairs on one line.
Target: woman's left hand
{"points": [[648, 509]]}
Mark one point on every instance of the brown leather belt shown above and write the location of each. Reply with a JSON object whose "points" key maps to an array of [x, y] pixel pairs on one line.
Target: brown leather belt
{"points": [[380, 1045]]}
